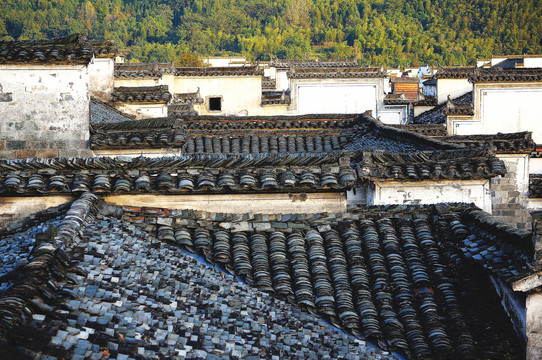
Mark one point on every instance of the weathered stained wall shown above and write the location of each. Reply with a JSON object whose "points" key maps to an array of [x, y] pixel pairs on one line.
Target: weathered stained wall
{"points": [[44, 111], [101, 78], [17, 208], [509, 193], [431, 192], [239, 203]]}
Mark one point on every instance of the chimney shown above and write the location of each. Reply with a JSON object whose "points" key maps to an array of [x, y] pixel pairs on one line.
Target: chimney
{"points": [[537, 237]]}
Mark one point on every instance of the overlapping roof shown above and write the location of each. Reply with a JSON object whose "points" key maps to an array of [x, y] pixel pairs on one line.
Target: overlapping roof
{"points": [[411, 279], [437, 115]]}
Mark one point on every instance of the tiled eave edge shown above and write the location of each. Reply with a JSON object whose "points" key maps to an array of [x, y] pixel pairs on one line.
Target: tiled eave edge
{"points": [[458, 164], [514, 243], [35, 290], [213, 123], [509, 143], [171, 181], [176, 162]]}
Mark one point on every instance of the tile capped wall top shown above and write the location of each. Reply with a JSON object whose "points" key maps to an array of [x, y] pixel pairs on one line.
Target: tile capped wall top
{"points": [[313, 63], [246, 70], [142, 94], [72, 49], [509, 143]]}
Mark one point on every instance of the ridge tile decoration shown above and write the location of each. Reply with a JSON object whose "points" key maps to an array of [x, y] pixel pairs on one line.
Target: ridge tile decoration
{"points": [[104, 48], [73, 49], [457, 108], [268, 84], [402, 277], [177, 175], [396, 99], [453, 164], [427, 100], [142, 94]]}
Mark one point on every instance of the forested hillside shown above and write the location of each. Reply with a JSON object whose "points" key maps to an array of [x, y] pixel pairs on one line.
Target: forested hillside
{"points": [[387, 32]]}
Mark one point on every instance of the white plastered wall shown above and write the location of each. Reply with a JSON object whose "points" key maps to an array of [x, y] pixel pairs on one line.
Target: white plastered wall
{"points": [[432, 192], [336, 96], [453, 88], [505, 108], [143, 111], [241, 95], [396, 114]]}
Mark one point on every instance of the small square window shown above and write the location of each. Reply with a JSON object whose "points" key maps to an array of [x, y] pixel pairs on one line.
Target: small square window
{"points": [[215, 104]]}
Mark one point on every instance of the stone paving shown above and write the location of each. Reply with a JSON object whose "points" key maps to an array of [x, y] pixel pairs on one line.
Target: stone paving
{"points": [[144, 299]]}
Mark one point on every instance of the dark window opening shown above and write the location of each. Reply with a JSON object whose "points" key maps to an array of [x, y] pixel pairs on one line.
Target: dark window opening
{"points": [[215, 104]]}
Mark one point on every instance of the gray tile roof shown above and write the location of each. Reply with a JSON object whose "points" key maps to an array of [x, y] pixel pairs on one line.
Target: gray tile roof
{"points": [[134, 296], [407, 277], [103, 113], [437, 114]]}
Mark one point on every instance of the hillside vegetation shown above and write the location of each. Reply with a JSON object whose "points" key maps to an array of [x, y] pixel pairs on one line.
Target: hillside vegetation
{"points": [[378, 32]]}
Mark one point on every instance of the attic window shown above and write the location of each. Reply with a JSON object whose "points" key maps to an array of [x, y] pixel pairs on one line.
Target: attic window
{"points": [[215, 104]]}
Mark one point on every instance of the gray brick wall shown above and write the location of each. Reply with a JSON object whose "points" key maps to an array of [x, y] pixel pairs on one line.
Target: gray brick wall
{"points": [[509, 194]]}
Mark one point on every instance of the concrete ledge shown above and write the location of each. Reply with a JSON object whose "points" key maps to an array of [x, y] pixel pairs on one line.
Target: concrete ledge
{"points": [[239, 203]]}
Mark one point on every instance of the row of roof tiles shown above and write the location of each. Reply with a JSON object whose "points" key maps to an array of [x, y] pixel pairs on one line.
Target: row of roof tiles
{"points": [[156, 70], [147, 94], [180, 182], [494, 74], [384, 278], [213, 315], [71, 49]]}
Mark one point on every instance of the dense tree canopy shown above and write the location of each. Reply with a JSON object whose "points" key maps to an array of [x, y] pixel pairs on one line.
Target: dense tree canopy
{"points": [[387, 32]]}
